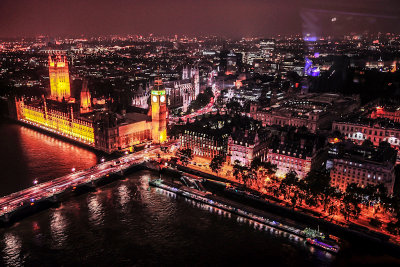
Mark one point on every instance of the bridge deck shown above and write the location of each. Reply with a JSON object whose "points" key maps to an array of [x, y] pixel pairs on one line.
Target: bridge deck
{"points": [[42, 191]]}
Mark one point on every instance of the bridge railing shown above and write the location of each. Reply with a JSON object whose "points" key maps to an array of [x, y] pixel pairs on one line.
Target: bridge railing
{"points": [[6, 207]]}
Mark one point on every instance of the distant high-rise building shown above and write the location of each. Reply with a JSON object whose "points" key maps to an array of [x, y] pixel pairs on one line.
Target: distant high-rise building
{"points": [[159, 112], [267, 47], [230, 62], [59, 78]]}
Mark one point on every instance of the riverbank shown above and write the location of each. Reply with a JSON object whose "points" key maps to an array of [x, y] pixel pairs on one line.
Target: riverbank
{"points": [[356, 235]]}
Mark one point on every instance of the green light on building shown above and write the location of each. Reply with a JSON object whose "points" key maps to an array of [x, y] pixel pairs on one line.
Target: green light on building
{"points": [[156, 92]]}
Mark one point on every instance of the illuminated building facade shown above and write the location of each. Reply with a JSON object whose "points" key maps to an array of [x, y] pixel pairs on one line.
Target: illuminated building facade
{"points": [[140, 97], [159, 112], [296, 152], [363, 166], [313, 111], [55, 121], [389, 113], [180, 93], [374, 130], [300, 114], [59, 78], [230, 62], [106, 131], [114, 132], [245, 146], [205, 144]]}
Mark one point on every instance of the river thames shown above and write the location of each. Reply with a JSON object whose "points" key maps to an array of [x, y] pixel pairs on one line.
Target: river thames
{"points": [[127, 223]]}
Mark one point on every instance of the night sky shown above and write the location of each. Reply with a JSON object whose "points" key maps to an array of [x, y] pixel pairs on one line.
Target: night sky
{"points": [[234, 18]]}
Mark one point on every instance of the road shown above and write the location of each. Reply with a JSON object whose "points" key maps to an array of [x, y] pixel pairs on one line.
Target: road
{"points": [[207, 109]]}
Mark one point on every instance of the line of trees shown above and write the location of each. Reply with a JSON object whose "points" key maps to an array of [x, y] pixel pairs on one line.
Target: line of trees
{"points": [[252, 175], [315, 191]]}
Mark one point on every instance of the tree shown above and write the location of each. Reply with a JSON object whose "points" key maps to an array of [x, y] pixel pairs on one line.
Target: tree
{"points": [[317, 188], [236, 169], [266, 167], [367, 143], [288, 186], [393, 228], [256, 163], [242, 173], [375, 222], [384, 145], [173, 161], [216, 163], [201, 101], [185, 155], [247, 177], [350, 202]]}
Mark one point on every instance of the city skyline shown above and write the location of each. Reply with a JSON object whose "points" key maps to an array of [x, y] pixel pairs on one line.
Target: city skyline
{"points": [[148, 133]]}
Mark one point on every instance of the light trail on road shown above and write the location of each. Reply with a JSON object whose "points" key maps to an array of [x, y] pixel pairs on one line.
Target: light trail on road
{"points": [[45, 190]]}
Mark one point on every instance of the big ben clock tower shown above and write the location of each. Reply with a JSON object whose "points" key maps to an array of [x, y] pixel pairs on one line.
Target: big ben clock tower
{"points": [[159, 112]]}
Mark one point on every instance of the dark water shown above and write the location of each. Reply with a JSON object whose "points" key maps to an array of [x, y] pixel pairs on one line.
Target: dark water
{"points": [[126, 223], [27, 155]]}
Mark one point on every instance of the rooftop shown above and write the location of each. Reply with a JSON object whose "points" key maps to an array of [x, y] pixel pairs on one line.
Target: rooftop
{"points": [[133, 117], [360, 119]]}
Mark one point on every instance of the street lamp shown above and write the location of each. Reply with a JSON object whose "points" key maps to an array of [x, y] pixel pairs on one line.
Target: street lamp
{"points": [[73, 169], [35, 182]]}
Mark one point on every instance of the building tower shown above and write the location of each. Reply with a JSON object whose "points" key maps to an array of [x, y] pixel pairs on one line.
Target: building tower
{"points": [[185, 73], [59, 78], [159, 112], [196, 81], [85, 98]]}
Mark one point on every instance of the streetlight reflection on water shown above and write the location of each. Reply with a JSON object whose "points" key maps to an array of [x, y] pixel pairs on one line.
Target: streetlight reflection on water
{"points": [[96, 210], [12, 250], [58, 226]]}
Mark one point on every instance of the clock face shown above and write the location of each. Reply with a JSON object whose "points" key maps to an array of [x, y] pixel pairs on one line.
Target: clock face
{"points": [[162, 99], [154, 98]]}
